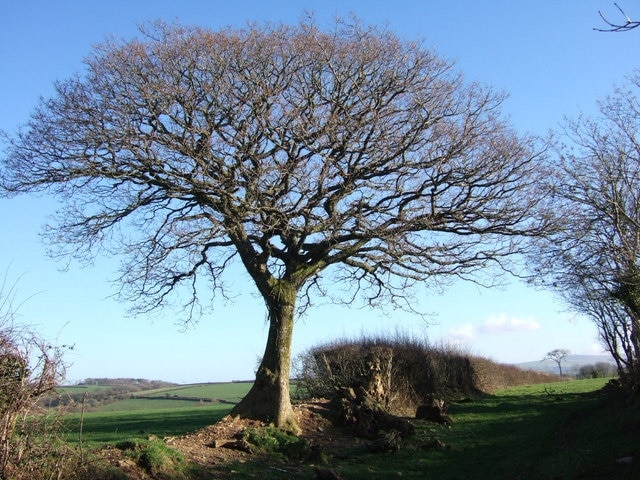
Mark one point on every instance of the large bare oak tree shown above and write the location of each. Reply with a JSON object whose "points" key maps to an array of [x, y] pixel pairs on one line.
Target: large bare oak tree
{"points": [[312, 157]]}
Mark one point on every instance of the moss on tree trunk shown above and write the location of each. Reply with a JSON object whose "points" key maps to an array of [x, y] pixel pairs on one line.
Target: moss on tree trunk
{"points": [[269, 398]]}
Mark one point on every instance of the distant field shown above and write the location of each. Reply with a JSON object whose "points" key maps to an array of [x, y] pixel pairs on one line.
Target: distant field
{"points": [[229, 392], [555, 388], [83, 388]]}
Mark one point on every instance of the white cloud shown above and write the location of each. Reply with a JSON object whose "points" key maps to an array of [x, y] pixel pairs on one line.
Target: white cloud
{"points": [[462, 333], [593, 349], [493, 325], [503, 324]]}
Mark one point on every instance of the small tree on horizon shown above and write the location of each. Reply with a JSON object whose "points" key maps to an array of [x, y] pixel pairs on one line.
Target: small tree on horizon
{"points": [[558, 355], [313, 159]]}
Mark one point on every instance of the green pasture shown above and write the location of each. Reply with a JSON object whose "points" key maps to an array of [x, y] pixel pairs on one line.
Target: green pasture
{"points": [[83, 389], [161, 412], [97, 429], [231, 392], [547, 431], [545, 389], [563, 430], [144, 404]]}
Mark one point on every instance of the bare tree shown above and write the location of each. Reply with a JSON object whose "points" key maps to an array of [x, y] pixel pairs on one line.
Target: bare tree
{"points": [[557, 355], [625, 26], [348, 158], [594, 260]]}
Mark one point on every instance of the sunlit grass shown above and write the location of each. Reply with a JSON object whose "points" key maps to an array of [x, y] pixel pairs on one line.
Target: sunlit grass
{"points": [[565, 430], [568, 386], [102, 428], [232, 392]]}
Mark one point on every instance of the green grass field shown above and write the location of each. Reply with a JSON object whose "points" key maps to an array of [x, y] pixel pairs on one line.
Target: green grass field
{"points": [[231, 392], [160, 412], [148, 404], [97, 429], [83, 388], [559, 430]]}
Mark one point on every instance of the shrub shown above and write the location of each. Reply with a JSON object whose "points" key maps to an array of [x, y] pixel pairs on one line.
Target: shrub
{"points": [[404, 372], [29, 368], [407, 370], [597, 370], [490, 376]]}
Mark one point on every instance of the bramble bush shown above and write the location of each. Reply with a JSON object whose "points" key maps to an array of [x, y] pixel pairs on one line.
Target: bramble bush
{"points": [[29, 368]]}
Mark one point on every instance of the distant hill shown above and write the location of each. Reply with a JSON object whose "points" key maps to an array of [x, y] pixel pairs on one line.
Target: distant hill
{"points": [[570, 365]]}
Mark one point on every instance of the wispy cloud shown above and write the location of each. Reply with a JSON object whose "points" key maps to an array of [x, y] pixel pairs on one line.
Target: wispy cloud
{"points": [[503, 324], [495, 324], [462, 333]]}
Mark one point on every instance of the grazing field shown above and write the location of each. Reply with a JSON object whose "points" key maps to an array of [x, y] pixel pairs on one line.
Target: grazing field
{"points": [[83, 389], [97, 429], [228, 392], [168, 411], [562, 430], [143, 404]]}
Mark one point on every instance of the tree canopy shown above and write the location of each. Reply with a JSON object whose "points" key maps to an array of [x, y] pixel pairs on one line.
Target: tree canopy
{"points": [[593, 261], [312, 157]]}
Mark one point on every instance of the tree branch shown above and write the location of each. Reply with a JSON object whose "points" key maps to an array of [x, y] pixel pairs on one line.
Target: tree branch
{"points": [[618, 27]]}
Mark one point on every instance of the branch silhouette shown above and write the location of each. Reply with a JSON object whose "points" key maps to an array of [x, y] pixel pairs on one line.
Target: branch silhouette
{"points": [[618, 27]]}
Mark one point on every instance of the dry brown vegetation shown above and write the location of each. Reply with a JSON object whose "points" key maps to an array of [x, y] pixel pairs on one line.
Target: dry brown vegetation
{"points": [[405, 372], [30, 367]]}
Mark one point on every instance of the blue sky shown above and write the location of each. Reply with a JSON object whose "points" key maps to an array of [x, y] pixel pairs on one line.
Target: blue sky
{"points": [[544, 53]]}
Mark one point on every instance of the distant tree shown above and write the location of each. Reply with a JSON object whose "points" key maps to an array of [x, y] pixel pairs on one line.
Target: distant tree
{"points": [[349, 164], [594, 260], [626, 25], [558, 355], [598, 370]]}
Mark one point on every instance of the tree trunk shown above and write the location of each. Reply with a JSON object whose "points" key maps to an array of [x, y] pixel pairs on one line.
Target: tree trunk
{"points": [[269, 398]]}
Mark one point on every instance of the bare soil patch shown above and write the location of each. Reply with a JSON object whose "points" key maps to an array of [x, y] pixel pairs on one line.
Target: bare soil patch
{"points": [[215, 449], [216, 445]]}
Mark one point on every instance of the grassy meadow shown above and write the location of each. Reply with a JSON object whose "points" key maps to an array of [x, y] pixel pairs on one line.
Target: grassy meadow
{"points": [[562, 430], [168, 411], [98, 429], [228, 392]]}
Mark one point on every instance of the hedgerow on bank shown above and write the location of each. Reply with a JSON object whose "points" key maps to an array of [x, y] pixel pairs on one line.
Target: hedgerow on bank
{"points": [[404, 371]]}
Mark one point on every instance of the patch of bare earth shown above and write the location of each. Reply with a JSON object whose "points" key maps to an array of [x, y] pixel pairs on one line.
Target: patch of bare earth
{"points": [[219, 444]]}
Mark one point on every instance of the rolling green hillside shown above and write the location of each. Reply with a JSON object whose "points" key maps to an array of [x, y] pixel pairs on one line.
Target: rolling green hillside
{"points": [[225, 392]]}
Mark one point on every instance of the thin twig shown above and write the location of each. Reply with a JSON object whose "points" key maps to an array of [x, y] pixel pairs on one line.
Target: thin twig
{"points": [[615, 27]]}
